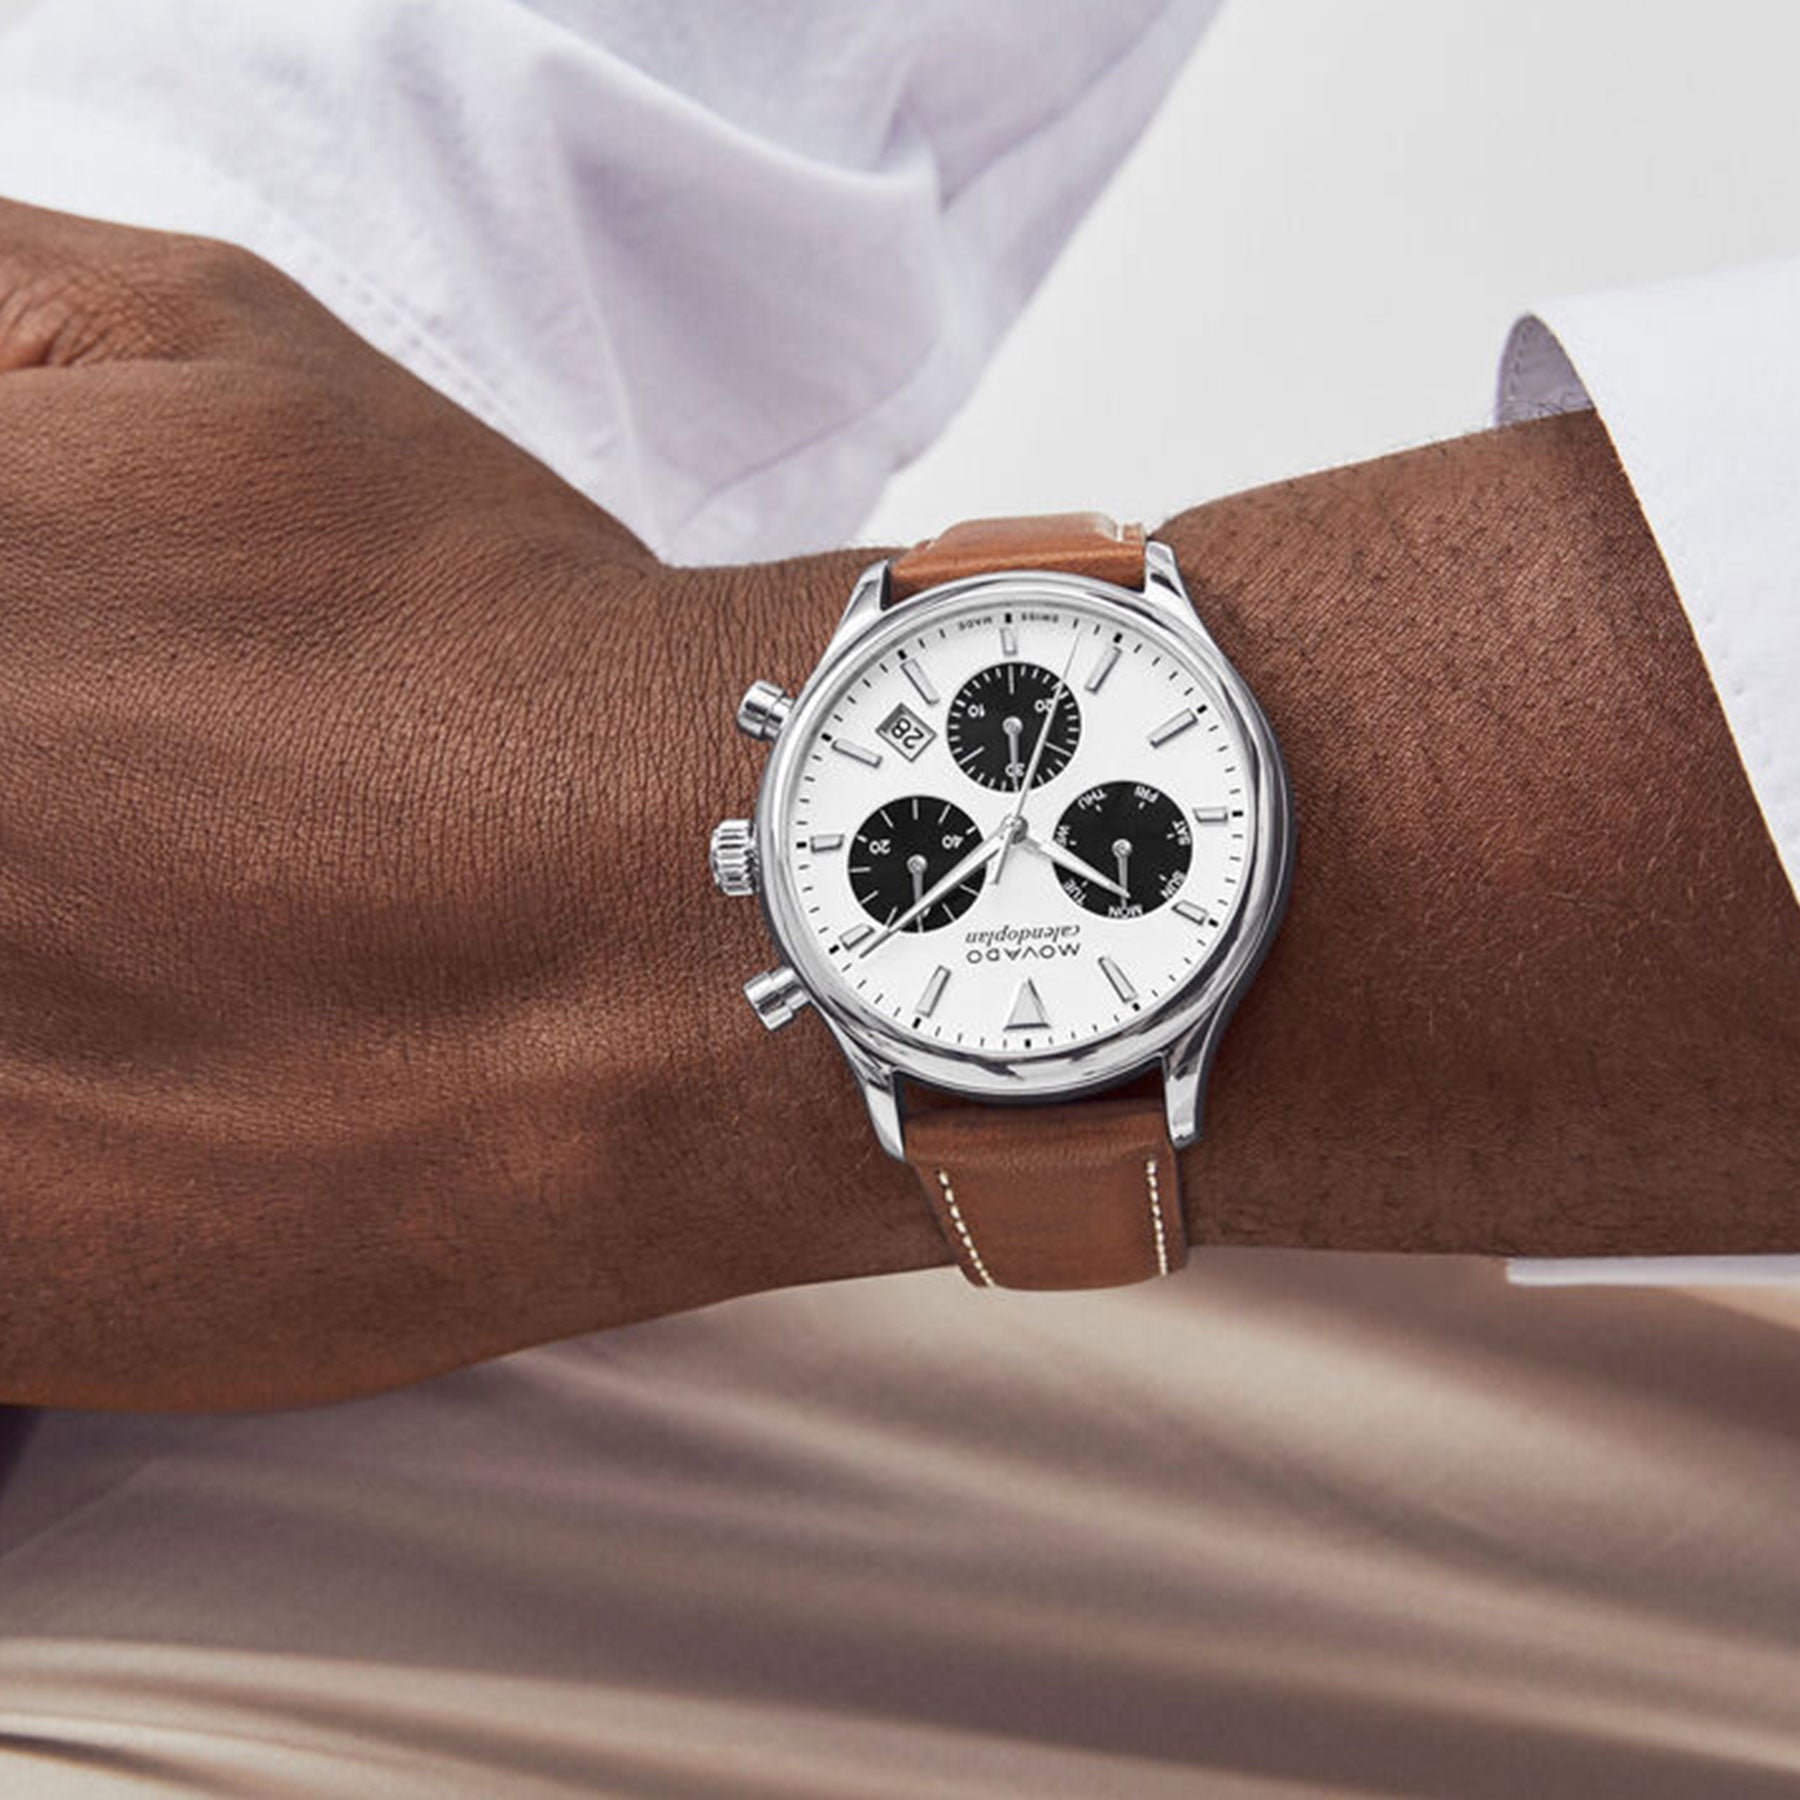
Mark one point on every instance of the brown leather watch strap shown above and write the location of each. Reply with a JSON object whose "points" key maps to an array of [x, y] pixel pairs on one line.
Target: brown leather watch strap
{"points": [[1080, 1194], [1080, 543]]}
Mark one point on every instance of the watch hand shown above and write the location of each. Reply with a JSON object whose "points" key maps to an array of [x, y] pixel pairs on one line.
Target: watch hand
{"points": [[1037, 753], [1122, 850], [1014, 728], [1050, 849], [915, 867], [988, 847]]}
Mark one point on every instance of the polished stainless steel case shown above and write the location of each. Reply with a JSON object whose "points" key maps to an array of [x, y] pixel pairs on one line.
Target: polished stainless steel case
{"points": [[1182, 1032]]}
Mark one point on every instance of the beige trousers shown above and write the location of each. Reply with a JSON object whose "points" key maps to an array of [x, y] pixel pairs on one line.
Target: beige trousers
{"points": [[1286, 1526]]}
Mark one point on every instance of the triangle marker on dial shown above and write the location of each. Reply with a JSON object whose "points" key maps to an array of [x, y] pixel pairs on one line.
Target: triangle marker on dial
{"points": [[1027, 1010]]}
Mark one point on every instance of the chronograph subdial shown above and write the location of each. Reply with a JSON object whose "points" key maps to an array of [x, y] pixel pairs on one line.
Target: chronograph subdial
{"points": [[996, 718], [902, 850], [1133, 833]]}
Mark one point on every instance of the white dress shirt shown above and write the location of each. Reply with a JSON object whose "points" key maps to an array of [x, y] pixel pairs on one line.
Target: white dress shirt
{"points": [[723, 267]]}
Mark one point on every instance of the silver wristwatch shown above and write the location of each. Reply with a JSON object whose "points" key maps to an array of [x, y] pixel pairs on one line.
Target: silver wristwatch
{"points": [[1022, 839]]}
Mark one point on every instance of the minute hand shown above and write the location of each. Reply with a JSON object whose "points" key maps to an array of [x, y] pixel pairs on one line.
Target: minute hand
{"points": [[983, 852]]}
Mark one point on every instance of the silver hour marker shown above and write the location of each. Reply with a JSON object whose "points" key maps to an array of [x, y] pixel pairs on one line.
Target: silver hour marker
{"points": [[827, 840], [1171, 728], [934, 990], [1121, 982], [1212, 815], [857, 752], [1009, 641], [855, 936], [1103, 668], [1027, 1009], [921, 682], [1188, 910]]}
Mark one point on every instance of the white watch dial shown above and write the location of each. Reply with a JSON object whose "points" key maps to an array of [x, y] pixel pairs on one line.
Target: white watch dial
{"points": [[1020, 828]]}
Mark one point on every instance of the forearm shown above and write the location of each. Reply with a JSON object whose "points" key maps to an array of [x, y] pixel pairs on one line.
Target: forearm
{"points": [[1536, 991]]}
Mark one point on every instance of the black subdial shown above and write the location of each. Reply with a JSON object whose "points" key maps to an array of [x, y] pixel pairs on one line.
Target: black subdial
{"points": [[1132, 834], [995, 720], [903, 851]]}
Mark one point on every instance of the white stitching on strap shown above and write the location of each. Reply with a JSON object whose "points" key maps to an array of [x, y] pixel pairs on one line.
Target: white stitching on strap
{"points": [[1156, 1216], [962, 1230]]}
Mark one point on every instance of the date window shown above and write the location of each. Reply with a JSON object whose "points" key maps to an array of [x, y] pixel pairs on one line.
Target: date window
{"points": [[906, 731]]}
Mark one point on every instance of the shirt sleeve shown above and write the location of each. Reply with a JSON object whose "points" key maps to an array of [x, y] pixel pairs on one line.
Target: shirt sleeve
{"points": [[1698, 383], [723, 267]]}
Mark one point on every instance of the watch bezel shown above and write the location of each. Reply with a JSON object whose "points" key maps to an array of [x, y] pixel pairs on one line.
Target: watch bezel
{"points": [[1171, 1030]]}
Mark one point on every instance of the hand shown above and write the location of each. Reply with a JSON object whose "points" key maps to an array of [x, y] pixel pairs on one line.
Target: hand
{"points": [[916, 867], [310, 809]]}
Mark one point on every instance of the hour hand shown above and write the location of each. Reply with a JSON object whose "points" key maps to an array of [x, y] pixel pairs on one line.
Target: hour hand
{"points": [[1067, 859]]}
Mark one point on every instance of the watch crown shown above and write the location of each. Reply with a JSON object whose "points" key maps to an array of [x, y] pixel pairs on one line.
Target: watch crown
{"points": [[776, 997], [763, 710], [732, 857]]}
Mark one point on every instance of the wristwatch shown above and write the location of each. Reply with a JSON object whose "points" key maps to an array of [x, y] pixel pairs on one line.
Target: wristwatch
{"points": [[1021, 841]]}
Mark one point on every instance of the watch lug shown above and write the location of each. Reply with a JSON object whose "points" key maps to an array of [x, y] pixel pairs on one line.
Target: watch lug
{"points": [[868, 600], [1186, 1066], [1161, 569], [1163, 587], [880, 1085]]}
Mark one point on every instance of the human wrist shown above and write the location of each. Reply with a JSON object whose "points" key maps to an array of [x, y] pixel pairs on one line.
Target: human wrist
{"points": [[769, 1174]]}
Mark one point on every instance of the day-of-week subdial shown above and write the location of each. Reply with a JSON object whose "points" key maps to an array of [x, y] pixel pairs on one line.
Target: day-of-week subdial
{"points": [[998, 716], [905, 849], [1134, 835]]}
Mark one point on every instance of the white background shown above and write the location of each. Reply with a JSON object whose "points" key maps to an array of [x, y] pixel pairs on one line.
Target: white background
{"points": [[1316, 251]]}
